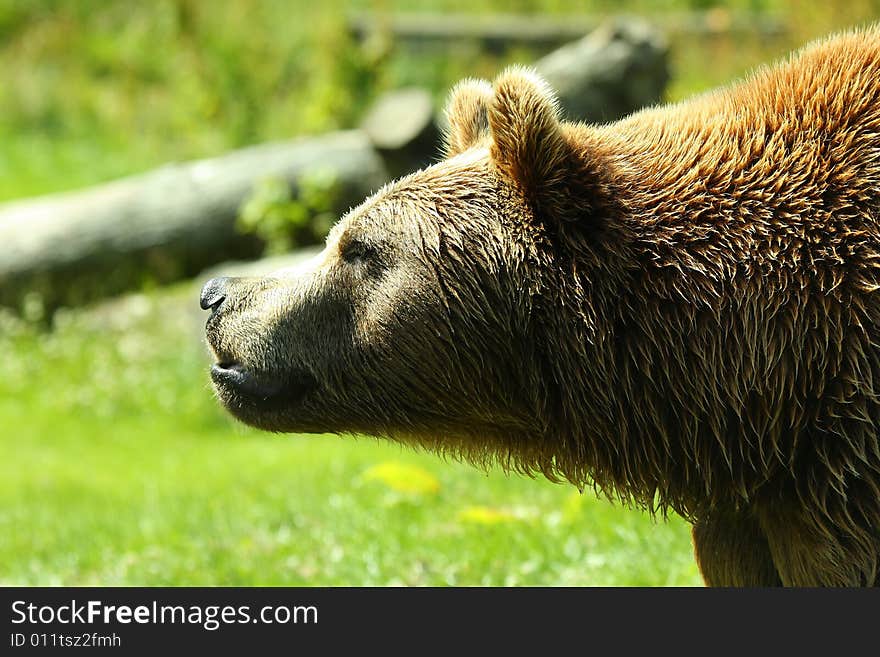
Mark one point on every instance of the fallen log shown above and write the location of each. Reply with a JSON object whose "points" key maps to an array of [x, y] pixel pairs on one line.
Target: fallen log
{"points": [[69, 248], [402, 126], [619, 67], [500, 32]]}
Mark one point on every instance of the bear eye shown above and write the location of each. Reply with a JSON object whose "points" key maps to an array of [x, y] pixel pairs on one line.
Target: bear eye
{"points": [[356, 250]]}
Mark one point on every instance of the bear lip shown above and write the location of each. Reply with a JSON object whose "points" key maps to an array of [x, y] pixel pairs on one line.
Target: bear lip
{"points": [[251, 387], [234, 375]]}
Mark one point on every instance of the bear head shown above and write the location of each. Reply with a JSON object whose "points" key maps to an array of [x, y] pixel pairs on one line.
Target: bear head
{"points": [[424, 319]]}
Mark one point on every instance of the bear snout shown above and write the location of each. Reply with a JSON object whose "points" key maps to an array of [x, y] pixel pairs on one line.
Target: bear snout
{"points": [[214, 293]]}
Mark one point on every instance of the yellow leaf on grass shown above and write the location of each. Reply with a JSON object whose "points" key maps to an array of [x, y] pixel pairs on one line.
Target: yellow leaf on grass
{"points": [[484, 515], [403, 478], [572, 506]]}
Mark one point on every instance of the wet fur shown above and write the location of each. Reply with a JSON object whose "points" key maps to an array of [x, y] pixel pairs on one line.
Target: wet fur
{"points": [[680, 309], [727, 295]]}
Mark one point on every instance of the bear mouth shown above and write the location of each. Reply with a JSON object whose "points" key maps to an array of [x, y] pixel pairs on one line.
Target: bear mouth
{"points": [[245, 384]]}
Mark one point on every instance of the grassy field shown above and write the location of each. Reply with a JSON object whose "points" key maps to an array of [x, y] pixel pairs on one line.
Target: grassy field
{"points": [[118, 467]]}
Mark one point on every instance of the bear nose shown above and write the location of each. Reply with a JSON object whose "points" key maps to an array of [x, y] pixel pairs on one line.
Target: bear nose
{"points": [[214, 293]]}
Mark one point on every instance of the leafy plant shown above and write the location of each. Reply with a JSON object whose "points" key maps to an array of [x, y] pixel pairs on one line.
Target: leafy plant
{"points": [[284, 220]]}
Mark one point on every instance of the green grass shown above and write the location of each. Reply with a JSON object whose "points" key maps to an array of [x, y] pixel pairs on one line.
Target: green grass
{"points": [[119, 468]]}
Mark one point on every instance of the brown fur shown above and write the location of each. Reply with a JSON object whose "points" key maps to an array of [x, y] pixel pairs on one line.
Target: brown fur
{"points": [[680, 309]]}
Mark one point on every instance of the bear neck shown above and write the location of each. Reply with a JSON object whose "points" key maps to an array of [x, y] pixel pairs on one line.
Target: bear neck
{"points": [[637, 344]]}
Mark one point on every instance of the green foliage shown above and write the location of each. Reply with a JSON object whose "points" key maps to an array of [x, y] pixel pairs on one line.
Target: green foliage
{"points": [[97, 89], [283, 220]]}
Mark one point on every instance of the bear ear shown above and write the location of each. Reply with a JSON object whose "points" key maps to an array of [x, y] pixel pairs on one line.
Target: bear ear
{"points": [[527, 141], [467, 115]]}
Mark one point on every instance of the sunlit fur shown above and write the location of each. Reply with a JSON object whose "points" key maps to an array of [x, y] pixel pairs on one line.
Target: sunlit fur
{"points": [[680, 309]]}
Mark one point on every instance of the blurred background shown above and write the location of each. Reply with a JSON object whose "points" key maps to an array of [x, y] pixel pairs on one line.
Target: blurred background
{"points": [[145, 146]]}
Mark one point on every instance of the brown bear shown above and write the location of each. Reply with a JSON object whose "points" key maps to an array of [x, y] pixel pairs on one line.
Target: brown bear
{"points": [[681, 309]]}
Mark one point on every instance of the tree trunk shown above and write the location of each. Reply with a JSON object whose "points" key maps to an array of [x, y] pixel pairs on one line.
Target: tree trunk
{"points": [[170, 223]]}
